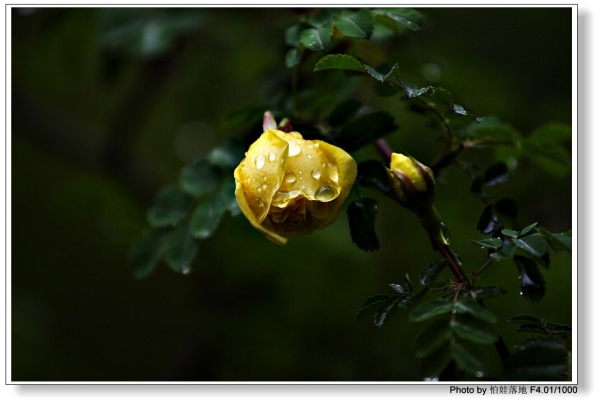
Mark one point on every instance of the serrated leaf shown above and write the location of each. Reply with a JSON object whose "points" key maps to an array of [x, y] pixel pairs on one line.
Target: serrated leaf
{"points": [[434, 336], [407, 17], [505, 252], [170, 206], [558, 241], [532, 328], [527, 229], [386, 311], [510, 233], [432, 271], [228, 155], [561, 329], [200, 178], [292, 35], [533, 245], [491, 243], [339, 61], [316, 39], [373, 174], [488, 222], [371, 305], [525, 318], [405, 288], [292, 58], [469, 356], [361, 216], [486, 292], [322, 16], [473, 330], [536, 364], [533, 285], [382, 72], [496, 174], [343, 112], [181, 248], [357, 25], [365, 130], [430, 309], [147, 251], [507, 207], [545, 342], [469, 306], [207, 216], [436, 362]]}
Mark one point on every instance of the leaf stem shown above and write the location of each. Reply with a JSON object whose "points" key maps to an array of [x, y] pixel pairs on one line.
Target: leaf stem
{"points": [[475, 274], [384, 149], [455, 265]]}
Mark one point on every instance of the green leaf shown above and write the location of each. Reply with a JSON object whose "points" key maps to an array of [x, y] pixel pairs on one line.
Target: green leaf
{"points": [[200, 178], [322, 17], [551, 133], [492, 243], [488, 222], [292, 35], [365, 129], [477, 187], [486, 292], [525, 318], [170, 206], [527, 229], [405, 288], [432, 271], [339, 61], [343, 112], [533, 285], [472, 329], [536, 364], [436, 362], [496, 174], [357, 25], [435, 335], [316, 39], [506, 252], [507, 207], [490, 129], [371, 305], [534, 245], [545, 342], [382, 72], [181, 248], [510, 233], [554, 158], [374, 175], [361, 216], [558, 241], [407, 17], [292, 58], [532, 328], [561, 330], [469, 306], [386, 311], [228, 155], [147, 251], [430, 309], [228, 196], [207, 216], [469, 356]]}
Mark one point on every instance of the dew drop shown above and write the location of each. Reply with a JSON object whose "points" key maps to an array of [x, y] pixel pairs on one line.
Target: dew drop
{"points": [[332, 172], [309, 156], [521, 293], [325, 193], [479, 374], [260, 161], [309, 144], [453, 311], [294, 148], [316, 173], [316, 144], [259, 202], [289, 177], [264, 186], [271, 156], [186, 270], [446, 233]]}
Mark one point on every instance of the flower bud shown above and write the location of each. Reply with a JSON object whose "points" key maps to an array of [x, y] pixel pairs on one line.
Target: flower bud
{"points": [[413, 183], [287, 186]]}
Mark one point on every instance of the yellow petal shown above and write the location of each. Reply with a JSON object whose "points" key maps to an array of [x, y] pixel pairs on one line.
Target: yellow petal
{"points": [[407, 165]]}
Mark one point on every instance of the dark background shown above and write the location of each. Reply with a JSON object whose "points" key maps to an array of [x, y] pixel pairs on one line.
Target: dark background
{"points": [[99, 127]]}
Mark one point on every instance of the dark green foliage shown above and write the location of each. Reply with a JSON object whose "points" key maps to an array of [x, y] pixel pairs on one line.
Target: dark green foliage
{"points": [[496, 174], [202, 176], [558, 241], [382, 72], [339, 61], [387, 310], [373, 174], [473, 329], [317, 39], [147, 251], [507, 207], [491, 243], [343, 112], [432, 271], [488, 222], [361, 216], [435, 335], [371, 305], [533, 285], [430, 310], [181, 248], [407, 17], [486, 292], [365, 129], [405, 288], [170, 206], [356, 25], [471, 307], [537, 363], [206, 217]]}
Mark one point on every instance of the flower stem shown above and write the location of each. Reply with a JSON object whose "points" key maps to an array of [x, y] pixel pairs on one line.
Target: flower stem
{"points": [[385, 150]]}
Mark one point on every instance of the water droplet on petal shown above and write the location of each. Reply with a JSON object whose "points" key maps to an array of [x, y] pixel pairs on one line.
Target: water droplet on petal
{"points": [[316, 144], [325, 193], [294, 148], [259, 202], [309, 156], [332, 172], [289, 177], [260, 161], [271, 156], [264, 186], [316, 173], [309, 144]]}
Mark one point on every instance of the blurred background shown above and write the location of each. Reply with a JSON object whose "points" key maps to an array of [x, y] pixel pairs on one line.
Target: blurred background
{"points": [[109, 104]]}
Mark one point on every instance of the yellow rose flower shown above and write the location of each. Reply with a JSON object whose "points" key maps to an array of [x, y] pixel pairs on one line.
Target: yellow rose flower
{"points": [[288, 187], [413, 182]]}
